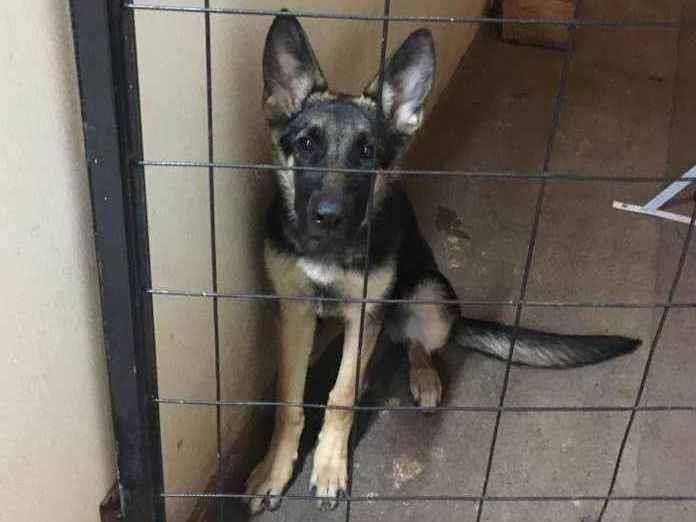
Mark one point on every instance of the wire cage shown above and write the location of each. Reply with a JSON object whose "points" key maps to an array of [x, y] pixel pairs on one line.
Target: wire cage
{"points": [[108, 73]]}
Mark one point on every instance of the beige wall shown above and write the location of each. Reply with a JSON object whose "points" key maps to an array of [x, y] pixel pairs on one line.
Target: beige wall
{"points": [[56, 449], [171, 50]]}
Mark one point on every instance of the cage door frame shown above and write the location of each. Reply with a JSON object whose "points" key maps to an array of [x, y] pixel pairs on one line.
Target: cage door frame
{"points": [[105, 49]]}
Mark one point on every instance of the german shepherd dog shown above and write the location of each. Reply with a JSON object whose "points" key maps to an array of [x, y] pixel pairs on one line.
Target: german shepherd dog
{"points": [[316, 246]]}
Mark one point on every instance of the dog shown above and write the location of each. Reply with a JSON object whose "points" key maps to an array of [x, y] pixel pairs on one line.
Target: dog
{"points": [[315, 245]]}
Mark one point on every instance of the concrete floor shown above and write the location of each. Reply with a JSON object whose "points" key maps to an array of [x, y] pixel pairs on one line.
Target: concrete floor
{"points": [[618, 120]]}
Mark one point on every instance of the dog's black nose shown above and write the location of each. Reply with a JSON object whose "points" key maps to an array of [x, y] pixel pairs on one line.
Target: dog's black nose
{"points": [[328, 214]]}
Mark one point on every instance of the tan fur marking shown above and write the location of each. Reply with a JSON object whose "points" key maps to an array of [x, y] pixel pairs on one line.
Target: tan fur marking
{"points": [[382, 187], [349, 283], [284, 273], [298, 323], [425, 383], [322, 96], [275, 470], [286, 179], [365, 101], [292, 277], [330, 469]]}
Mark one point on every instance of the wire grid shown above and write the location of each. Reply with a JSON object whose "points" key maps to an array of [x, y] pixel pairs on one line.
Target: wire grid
{"points": [[542, 177]]}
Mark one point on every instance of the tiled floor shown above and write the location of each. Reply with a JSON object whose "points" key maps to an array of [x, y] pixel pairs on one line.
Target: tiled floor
{"points": [[629, 111]]}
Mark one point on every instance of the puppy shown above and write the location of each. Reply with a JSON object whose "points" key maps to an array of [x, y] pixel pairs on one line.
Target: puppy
{"points": [[316, 246]]}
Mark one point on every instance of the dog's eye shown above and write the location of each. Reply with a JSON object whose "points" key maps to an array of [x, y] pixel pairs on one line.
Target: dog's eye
{"points": [[367, 151], [305, 144]]}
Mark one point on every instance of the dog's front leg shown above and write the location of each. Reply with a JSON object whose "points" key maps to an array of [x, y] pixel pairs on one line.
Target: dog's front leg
{"points": [[272, 475], [330, 470]]}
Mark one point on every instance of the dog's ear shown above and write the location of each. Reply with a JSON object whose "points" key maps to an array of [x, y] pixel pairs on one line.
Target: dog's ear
{"points": [[290, 69], [408, 77]]}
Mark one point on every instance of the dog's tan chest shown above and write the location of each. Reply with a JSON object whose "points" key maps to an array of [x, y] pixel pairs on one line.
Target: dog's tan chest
{"points": [[292, 276]]}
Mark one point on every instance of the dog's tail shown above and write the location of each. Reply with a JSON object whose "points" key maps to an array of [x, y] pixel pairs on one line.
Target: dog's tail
{"points": [[540, 349]]}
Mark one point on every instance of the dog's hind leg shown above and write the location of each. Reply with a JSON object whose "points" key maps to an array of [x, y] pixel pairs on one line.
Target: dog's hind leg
{"points": [[330, 469], [271, 476], [424, 378], [424, 327]]}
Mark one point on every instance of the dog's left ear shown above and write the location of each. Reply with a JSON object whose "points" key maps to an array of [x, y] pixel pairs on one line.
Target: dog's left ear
{"points": [[291, 71], [408, 78]]}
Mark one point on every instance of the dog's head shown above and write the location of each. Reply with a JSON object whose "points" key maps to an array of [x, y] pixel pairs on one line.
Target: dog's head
{"points": [[314, 127]]}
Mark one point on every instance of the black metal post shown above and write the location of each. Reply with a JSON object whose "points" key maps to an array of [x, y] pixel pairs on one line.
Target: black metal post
{"points": [[104, 36]]}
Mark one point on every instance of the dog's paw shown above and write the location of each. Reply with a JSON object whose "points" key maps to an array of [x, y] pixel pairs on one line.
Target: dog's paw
{"points": [[268, 481], [426, 387], [329, 473]]}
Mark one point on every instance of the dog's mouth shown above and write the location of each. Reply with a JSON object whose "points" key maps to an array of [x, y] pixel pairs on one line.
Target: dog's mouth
{"points": [[339, 244], [328, 243]]}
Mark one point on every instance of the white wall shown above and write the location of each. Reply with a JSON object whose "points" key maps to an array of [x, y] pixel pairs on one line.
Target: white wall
{"points": [[56, 447]]}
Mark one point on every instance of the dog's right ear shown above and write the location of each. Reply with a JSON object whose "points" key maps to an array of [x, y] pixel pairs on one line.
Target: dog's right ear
{"points": [[290, 69], [408, 78]]}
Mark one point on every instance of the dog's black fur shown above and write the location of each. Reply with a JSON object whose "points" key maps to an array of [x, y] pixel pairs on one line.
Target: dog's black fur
{"points": [[316, 244]]}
